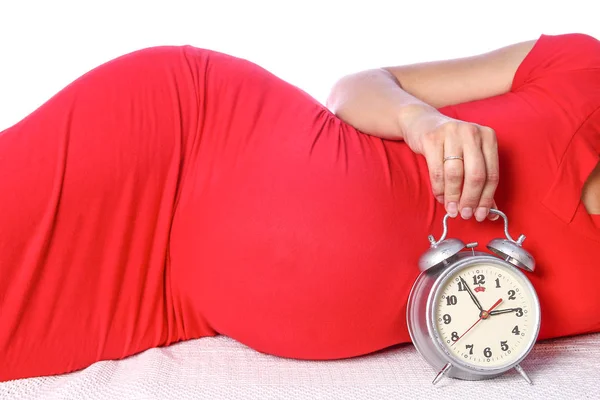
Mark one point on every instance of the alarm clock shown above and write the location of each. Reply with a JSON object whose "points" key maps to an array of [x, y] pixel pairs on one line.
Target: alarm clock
{"points": [[474, 315]]}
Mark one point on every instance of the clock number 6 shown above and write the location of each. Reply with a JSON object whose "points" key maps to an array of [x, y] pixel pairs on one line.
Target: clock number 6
{"points": [[487, 352]]}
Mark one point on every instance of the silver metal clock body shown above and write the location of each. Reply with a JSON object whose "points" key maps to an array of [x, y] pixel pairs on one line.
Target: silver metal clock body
{"points": [[447, 259], [421, 319]]}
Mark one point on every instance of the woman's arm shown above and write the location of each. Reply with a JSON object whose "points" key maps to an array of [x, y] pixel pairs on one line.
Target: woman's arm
{"points": [[400, 103], [382, 102], [442, 83]]}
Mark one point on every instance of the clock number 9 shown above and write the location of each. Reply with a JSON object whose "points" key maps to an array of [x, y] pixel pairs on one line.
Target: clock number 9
{"points": [[447, 319]]}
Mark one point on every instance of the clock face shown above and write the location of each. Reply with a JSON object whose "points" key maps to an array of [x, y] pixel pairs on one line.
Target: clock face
{"points": [[486, 315]]}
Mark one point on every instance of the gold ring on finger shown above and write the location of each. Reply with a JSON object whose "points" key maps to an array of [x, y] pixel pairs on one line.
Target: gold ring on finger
{"points": [[453, 158]]}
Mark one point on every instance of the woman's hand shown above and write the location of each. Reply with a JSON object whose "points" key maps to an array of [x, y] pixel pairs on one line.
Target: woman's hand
{"points": [[462, 159], [374, 102]]}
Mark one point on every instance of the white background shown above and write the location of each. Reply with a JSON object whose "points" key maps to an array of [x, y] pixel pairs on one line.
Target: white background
{"points": [[44, 45]]}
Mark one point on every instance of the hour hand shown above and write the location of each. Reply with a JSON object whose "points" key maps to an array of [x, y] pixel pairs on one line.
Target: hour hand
{"points": [[477, 303], [506, 310]]}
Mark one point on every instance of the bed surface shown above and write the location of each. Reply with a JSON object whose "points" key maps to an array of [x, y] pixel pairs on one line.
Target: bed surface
{"points": [[220, 368]]}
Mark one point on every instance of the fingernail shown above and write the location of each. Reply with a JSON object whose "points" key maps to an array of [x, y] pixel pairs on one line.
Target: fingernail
{"points": [[452, 209], [440, 199], [481, 213], [466, 213], [494, 217]]}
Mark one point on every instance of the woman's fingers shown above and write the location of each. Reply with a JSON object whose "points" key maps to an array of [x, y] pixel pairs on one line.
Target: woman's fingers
{"points": [[463, 168], [489, 148], [433, 150], [493, 217], [475, 172], [453, 169], [462, 159]]}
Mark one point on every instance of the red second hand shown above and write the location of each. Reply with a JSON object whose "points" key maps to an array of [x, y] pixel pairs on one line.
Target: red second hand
{"points": [[486, 313]]}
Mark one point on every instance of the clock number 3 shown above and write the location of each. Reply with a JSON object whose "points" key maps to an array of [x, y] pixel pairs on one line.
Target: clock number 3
{"points": [[519, 312]]}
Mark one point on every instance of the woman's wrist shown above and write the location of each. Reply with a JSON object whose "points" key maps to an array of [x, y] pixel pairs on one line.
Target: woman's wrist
{"points": [[417, 119]]}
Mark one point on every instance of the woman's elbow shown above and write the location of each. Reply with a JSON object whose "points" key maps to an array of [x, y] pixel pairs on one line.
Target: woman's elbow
{"points": [[356, 85]]}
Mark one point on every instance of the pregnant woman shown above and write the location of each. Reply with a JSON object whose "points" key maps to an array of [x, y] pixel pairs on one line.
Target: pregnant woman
{"points": [[177, 193]]}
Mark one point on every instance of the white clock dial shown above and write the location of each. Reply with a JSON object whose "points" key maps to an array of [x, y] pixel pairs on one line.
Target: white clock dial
{"points": [[486, 315]]}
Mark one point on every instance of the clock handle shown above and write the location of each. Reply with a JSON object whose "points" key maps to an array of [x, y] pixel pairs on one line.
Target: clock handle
{"points": [[521, 238], [519, 241]]}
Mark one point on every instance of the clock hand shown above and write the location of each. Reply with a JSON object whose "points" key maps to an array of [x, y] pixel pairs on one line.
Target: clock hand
{"points": [[482, 315], [477, 303], [504, 311]]}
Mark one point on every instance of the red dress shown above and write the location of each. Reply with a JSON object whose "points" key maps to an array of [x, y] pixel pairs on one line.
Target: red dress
{"points": [[177, 192]]}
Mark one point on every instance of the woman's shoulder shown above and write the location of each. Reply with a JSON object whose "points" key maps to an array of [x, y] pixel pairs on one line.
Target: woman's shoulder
{"points": [[554, 56]]}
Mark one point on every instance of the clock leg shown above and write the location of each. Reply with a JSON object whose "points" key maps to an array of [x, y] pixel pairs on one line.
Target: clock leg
{"points": [[441, 373], [523, 374]]}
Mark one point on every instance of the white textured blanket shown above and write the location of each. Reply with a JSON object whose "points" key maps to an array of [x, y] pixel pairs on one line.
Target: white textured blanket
{"points": [[220, 368]]}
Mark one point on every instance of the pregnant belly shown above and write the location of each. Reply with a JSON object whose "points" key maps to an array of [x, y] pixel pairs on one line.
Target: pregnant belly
{"points": [[300, 236]]}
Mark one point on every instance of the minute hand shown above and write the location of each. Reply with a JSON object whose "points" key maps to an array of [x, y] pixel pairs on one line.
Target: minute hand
{"points": [[477, 303], [504, 311]]}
